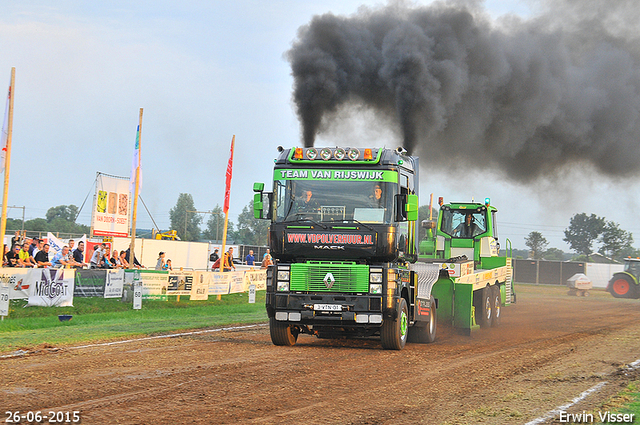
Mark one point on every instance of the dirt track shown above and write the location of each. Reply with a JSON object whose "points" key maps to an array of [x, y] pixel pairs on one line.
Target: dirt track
{"points": [[549, 348]]}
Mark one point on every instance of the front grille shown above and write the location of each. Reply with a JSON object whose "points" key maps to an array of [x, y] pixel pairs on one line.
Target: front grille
{"points": [[348, 277]]}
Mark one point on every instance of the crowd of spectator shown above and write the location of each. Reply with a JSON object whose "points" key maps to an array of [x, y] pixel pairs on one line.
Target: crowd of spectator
{"points": [[33, 252]]}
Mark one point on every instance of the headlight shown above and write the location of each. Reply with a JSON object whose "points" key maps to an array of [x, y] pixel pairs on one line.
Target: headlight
{"points": [[375, 288], [283, 274], [375, 278], [283, 286]]}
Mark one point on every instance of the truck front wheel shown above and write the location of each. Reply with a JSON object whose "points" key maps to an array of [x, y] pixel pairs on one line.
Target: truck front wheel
{"points": [[282, 333], [394, 333]]}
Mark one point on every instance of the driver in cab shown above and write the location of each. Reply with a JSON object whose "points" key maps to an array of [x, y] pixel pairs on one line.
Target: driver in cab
{"points": [[468, 229], [308, 203]]}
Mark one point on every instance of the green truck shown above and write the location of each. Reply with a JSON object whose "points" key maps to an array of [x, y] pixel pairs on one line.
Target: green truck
{"points": [[347, 260]]}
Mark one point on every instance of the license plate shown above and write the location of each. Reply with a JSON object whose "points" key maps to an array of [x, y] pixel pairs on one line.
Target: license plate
{"points": [[327, 307]]}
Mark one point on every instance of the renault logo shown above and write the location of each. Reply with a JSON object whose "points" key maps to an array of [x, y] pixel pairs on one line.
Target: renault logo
{"points": [[329, 280]]}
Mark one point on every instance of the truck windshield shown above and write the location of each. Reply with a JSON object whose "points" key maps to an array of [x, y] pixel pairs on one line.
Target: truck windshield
{"points": [[334, 201], [463, 223]]}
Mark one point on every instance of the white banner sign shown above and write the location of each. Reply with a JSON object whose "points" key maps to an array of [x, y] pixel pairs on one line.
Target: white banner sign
{"points": [[56, 244], [257, 278], [200, 286], [110, 216], [4, 299], [17, 281], [51, 287], [114, 284]]}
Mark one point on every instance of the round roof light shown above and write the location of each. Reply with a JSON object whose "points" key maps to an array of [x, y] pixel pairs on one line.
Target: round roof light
{"points": [[312, 153], [325, 154], [339, 154], [353, 154]]}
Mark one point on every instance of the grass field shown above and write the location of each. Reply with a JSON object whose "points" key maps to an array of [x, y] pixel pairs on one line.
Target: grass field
{"points": [[98, 319]]}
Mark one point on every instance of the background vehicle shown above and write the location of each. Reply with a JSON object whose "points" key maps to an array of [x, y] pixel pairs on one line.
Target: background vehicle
{"points": [[624, 284], [343, 237]]}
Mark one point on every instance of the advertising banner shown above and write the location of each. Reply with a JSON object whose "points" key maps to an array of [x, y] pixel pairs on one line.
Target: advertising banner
{"points": [[236, 282], [110, 215], [17, 280], [219, 283], [51, 287], [114, 284], [200, 286], [89, 283], [154, 284], [257, 278], [180, 283]]}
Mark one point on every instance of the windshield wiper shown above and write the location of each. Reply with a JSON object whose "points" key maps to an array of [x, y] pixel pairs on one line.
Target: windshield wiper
{"points": [[360, 223], [300, 217]]}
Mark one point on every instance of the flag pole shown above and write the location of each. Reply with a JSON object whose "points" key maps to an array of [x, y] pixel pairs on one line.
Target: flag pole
{"points": [[227, 195], [7, 160], [134, 214]]}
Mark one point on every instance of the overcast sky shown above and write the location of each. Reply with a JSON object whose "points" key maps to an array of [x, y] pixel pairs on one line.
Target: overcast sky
{"points": [[204, 71]]}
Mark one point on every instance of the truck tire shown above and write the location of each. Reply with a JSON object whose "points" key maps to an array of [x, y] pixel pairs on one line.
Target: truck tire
{"points": [[622, 287], [484, 310], [425, 334], [394, 333], [282, 333], [497, 305]]}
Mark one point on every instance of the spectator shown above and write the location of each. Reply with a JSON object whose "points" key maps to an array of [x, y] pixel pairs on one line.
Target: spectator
{"points": [[12, 256], [16, 239], [97, 257], [214, 256], [72, 243], [160, 263], [135, 263], [122, 260], [33, 246], [78, 253], [4, 255], [266, 253], [42, 257], [106, 261], [38, 247], [167, 265], [24, 258], [61, 259], [250, 259], [114, 259], [228, 263], [266, 262]]}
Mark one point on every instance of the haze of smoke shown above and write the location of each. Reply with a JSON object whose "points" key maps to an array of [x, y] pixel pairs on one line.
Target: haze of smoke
{"points": [[524, 96]]}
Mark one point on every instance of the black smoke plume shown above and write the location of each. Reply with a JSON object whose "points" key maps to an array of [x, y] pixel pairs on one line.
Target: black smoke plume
{"points": [[526, 96]]}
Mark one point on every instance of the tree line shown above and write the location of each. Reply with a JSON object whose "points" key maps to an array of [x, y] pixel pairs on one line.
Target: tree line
{"points": [[186, 221], [581, 235]]}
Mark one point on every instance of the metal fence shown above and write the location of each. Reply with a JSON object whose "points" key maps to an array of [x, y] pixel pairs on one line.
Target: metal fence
{"points": [[546, 272]]}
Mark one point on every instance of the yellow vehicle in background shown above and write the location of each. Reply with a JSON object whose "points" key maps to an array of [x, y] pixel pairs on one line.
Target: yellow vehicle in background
{"points": [[170, 235]]}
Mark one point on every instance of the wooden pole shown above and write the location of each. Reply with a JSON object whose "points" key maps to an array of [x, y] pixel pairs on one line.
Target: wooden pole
{"points": [[7, 160], [134, 213]]}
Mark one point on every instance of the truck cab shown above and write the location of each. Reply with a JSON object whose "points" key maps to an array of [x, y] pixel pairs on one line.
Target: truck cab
{"points": [[343, 232]]}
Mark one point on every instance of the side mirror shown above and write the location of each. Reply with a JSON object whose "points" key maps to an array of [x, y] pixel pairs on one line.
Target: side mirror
{"points": [[258, 206], [412, 207]]}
